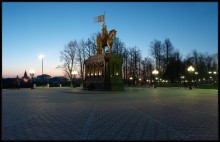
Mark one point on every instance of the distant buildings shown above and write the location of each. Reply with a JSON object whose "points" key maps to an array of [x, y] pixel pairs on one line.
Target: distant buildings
{"points": [[58, 80], [44, 76], [26, 81]]}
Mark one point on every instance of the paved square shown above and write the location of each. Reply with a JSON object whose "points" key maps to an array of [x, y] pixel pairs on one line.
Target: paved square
{"points": [[132, 114]]}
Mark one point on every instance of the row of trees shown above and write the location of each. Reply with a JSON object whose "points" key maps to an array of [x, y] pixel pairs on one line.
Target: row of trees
{"points": [[74, 55], [164, 57]]}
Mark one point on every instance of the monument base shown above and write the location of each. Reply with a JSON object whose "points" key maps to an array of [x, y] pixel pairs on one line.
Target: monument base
{"points": [[103, 72]]}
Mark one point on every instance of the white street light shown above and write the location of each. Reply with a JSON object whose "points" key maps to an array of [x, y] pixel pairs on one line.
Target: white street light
{"points": [[41, 57], [155, 72], [74, 75], [32, 72], [190, 69], [74, 72], [196, 73]]}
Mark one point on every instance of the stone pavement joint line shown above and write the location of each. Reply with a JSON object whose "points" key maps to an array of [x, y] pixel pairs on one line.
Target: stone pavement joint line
{"points": [[88, 126], [162, 124]]}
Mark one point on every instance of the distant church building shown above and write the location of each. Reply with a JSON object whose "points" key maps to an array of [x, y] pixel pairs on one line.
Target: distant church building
{"points": [[25, 78]]}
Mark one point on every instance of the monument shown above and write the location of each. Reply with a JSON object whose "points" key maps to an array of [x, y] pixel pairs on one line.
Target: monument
{"points": [[103, 71]]}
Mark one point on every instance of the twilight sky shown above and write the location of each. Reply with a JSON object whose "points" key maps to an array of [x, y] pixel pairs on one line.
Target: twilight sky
{"points": [[33, 28]]}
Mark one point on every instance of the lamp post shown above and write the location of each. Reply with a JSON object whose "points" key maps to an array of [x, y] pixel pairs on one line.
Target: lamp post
{"points": [[74, 77], [190, 70], [32, 75], [210, 77], [214, 76], [183, 80], [131, 78], [196, 73], [41, 57], [155, 72], [140, 81]]}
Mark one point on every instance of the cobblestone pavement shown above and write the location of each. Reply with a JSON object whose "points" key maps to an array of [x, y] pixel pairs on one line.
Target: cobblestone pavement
{"points": [[132, 114]]}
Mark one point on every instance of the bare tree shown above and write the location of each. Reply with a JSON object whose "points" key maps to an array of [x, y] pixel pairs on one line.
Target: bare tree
{"points": [[118, 46], [91, 45], [195, 57], [134, 59], [147, 68], [81, 56], [68, 57], [156, 52], [125, 65], [168, 50], [202, 68]]}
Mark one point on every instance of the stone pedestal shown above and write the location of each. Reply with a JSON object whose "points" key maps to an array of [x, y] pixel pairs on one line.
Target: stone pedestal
{"points": [[103, 72]]}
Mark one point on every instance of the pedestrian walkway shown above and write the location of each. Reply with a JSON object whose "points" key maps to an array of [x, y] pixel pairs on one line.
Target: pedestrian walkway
{"points": [[132, 114]]}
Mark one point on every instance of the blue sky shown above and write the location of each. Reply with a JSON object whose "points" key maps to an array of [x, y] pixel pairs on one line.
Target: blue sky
{"points": [[33, 28]]}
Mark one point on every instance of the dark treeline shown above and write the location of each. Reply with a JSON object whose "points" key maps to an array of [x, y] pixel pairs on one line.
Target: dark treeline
{"points": [[136, 69], [163, 56]]}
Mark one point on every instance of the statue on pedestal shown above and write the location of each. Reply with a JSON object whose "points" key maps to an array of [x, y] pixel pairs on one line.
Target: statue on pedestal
{"points": [[103, 71]]}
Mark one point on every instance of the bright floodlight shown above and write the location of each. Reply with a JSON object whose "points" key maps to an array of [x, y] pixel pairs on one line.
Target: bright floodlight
{"points": [[31, 71], [41, 56], [155, 72], [74, 72], [190, 69]]}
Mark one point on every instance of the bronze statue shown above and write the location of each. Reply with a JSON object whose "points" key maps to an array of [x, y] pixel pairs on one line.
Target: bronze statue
{"points": [[99, 44], [104, 32], [110, 39], [105, 39]]}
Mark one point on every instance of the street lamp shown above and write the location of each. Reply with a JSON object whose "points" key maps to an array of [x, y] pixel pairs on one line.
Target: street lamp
{"points": [[41, 57], [130, 82], [74, 76], [196, 73], [210, 73], [183, 80], [155, 72], [32, 75], [212, 76], [190, 69]]}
